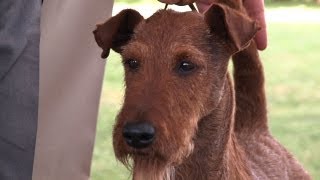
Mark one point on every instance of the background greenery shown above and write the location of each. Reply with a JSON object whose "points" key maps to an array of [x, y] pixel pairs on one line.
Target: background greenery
{"points": [[293, 79]]}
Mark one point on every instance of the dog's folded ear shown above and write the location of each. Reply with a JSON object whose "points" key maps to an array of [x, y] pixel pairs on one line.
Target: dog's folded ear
{"points": [[232, 25], [117, 31]]}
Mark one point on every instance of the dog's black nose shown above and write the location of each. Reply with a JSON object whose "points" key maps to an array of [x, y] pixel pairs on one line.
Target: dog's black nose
{"points": [[138, 135]]}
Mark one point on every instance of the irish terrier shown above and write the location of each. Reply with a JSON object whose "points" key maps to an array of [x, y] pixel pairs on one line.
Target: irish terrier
{"points": [[182, 117]]}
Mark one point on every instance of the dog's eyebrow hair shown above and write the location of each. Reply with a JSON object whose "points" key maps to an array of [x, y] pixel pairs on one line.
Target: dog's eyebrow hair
{"points": [[187, 49], [139, 43], [139, 47]]}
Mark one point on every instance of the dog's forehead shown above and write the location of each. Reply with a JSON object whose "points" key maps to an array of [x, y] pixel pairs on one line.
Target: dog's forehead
{"points": [[171, 26], [171, 16]]}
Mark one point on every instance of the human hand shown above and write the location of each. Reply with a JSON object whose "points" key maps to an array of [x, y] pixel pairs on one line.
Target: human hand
{"points": [[255, 9]]}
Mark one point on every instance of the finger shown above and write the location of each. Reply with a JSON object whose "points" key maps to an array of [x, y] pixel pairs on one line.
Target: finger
{"points": [[261, 38], [255, 9]]}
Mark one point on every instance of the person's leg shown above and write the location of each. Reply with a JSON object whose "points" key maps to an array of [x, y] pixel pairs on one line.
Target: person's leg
{"points": [[19, 83], [71, 74]]}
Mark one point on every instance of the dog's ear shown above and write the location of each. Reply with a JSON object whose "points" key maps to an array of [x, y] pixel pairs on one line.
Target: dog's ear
{"points": [[117, 31], [232, 25]]}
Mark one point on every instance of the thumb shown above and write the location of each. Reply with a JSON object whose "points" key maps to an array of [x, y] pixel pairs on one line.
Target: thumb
{"points": [[255, 9]]}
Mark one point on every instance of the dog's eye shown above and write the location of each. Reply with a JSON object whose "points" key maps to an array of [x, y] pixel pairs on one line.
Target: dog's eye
{"points": [[132, 64], [186, 67]]}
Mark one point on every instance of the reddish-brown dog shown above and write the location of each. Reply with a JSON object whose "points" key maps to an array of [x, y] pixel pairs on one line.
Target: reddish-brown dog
{"points": [[182, 117]]}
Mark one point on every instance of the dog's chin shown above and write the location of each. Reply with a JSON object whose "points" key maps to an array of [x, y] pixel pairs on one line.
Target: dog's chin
{"points": [[137, 155], [156, 165], [151, 166], [147, 160]]}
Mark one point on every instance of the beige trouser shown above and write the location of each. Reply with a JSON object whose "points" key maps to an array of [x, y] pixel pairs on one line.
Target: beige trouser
{"points": [[71, 75]]}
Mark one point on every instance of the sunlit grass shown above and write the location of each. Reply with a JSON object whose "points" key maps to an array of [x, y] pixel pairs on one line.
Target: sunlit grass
{"points": [[293, 84]]}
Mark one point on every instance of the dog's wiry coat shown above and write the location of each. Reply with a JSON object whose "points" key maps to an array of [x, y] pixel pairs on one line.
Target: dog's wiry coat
{"points": [[206, 127]]}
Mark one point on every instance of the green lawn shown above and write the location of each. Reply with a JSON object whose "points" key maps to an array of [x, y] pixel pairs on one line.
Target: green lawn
{"points": [[293, 87]]}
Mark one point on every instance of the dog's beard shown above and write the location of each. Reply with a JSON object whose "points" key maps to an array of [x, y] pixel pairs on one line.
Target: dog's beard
{"points": [[152, 170], [156, 163], [145, 168]]}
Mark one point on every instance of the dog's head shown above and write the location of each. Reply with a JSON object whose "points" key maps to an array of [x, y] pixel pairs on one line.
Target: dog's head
{"points": [[175, 66]]}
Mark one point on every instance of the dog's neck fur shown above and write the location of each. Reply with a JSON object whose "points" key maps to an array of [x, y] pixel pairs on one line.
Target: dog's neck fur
{"points": [[215, 140]]}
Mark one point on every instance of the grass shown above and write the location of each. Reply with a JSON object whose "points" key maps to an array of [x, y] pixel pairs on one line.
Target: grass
{"points": [[293, 89]]}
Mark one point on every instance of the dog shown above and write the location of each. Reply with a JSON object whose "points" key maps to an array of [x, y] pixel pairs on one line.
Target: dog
{"points": [[183, 116]]}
